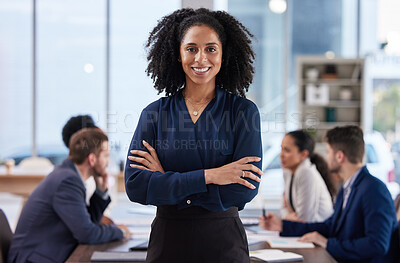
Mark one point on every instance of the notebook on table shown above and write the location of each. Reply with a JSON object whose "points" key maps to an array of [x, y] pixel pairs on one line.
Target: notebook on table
{"points": [[275, 255], [107, 256], [287, 242]]}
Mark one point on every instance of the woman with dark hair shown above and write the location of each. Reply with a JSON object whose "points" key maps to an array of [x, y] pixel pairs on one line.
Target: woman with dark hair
{"points": [[196, 153], [309, 189]]}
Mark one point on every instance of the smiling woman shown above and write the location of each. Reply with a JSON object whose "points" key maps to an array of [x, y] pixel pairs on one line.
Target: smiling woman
{"points": [[201, 55], [203, 61]]}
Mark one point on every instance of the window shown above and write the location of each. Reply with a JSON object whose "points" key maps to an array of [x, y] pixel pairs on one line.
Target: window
{"points": [[275, 164], [70, 64], [131, 89], [71, 70], [15, 77], [372, 156]]}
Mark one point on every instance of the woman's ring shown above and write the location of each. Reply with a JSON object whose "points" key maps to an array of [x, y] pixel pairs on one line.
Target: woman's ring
{"points": [[243, 174]]}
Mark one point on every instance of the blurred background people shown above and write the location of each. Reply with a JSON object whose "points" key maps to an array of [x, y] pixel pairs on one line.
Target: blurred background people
{"points": [[73, 125], [308, 188], [363, 227], [55, 219]]}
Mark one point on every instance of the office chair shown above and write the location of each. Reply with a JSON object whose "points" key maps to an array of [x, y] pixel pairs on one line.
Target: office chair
{"points": [[5, 237], [35, 163]]}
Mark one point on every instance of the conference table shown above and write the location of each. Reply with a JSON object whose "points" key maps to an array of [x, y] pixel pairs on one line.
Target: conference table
{"points": [[83, 253], [20, 181]]}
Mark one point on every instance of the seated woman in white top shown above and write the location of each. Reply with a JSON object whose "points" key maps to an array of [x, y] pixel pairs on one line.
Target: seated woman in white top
{"points": [[309, 190]]}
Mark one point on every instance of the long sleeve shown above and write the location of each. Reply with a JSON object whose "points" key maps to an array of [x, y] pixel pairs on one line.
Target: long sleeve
{"points": [[286, 178], [363, 230], [156, 188], [307, 196], [247, 143], [69, 204], [377, 219], [311, 198], [227, 130], [97, 205], [291, 228]]}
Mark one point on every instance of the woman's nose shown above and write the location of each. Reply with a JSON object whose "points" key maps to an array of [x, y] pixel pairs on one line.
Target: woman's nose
{"points": [[201, 56]]}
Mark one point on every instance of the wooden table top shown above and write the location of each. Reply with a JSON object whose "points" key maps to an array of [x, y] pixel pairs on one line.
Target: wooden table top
{"points": [[83, 253]]}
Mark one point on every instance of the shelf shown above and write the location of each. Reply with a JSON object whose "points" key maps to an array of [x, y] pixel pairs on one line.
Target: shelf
{"points": [[336, 104], [350, 74], [330, 125], [333, 82]]}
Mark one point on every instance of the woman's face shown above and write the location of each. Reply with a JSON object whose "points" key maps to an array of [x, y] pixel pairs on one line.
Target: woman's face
{"points": [[201, 55], [290, 155]]}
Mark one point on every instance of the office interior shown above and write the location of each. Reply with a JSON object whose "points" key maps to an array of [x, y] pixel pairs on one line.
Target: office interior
{"points": [[319, 64]]}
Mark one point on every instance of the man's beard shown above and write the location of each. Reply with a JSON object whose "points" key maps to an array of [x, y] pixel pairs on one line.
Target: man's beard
{"points": [[94, 172], [335, 169]]}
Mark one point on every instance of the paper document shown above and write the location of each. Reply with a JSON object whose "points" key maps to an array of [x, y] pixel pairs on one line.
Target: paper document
{"points": [[275, 255], [106, 256], [287, 242]]}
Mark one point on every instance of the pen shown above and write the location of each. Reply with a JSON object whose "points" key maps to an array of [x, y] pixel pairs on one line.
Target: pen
{"points": [[263, 212]]}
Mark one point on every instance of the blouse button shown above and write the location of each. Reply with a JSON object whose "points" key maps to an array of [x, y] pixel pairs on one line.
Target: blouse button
{"points": [[188, 202]]}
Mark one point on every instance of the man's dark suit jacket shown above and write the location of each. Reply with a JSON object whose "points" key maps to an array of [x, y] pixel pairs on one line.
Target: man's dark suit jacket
{"points": [[55, 219], [365, 231]]}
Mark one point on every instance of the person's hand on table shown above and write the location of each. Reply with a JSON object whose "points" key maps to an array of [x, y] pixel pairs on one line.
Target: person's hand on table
{"points": [[271, 222], [125, 230], [315, 238], [235, 172], [149, 161], [105, 220]]}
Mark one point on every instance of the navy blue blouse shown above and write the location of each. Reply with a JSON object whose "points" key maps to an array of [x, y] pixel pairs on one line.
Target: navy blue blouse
{"points": [[227, 130]]}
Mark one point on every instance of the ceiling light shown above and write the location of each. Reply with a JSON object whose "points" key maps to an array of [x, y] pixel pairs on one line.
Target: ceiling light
{"points": [[278, 6]]}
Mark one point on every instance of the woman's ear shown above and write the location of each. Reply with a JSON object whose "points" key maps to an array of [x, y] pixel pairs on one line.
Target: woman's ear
{"points": [[304, 154]]}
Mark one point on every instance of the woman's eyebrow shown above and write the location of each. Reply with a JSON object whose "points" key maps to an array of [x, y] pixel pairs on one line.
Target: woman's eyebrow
{"points": [[208, 44]]}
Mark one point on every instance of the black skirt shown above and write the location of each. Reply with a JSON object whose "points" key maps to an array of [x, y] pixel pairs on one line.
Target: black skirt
{"points": [[196, 235]]}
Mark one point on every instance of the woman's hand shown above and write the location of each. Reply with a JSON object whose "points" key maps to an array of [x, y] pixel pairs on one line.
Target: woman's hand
{"points": [[293, 217], [234, 173], [271, 222], [149, 161]]}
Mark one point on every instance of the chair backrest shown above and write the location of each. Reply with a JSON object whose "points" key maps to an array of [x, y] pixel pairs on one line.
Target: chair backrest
{"points": [[5, 237], [35, 163]]}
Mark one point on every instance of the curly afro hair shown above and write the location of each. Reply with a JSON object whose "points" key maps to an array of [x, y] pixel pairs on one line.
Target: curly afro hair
{"points": [[163, 46], [75, 124]]}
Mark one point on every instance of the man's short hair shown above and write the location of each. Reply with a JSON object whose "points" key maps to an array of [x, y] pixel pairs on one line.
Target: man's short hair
{"points": [[349, 140], [75, 124], [85, 142]]}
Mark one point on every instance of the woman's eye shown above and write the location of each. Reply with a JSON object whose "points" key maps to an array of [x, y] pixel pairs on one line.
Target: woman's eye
{"points": [[211, 49], [191, 49]]}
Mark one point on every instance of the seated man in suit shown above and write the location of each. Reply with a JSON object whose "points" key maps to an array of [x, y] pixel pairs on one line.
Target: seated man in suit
{"points": [[74, 124], [363, 226], [55, 219]]}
